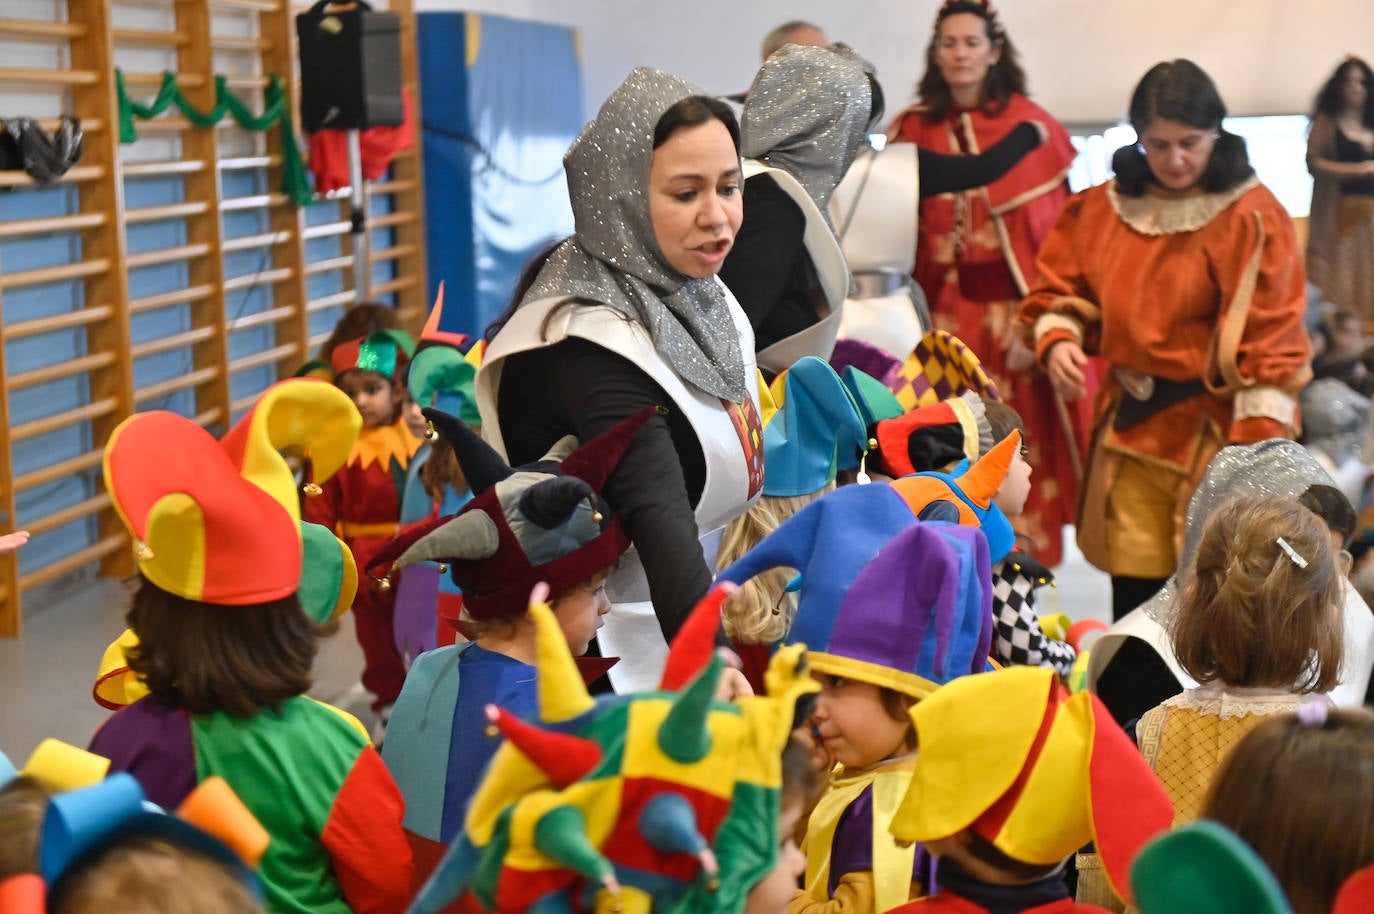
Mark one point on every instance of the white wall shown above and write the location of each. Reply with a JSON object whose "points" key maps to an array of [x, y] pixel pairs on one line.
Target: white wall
{"points": [[1082, 56]]}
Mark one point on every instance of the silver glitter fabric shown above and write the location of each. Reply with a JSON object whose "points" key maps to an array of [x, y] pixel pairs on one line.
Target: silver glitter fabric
{"points": [[1334, 418], [614, 259], [807, 113], [1276, 467]]}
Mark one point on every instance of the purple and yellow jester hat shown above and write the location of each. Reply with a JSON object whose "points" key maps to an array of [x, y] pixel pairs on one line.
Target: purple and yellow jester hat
{"points": [[1036, 772], [941, 366], [916, 617], [296, 413], [665, 799], [970, 494]]}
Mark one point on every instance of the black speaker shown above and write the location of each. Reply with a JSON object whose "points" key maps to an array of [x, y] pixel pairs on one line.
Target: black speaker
{"points": [[350, 67]]}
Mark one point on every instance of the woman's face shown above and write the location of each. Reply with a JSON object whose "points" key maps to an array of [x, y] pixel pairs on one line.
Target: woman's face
{"points": [[694, 198], [1353, 90], [963, 51], [1177, 153]]}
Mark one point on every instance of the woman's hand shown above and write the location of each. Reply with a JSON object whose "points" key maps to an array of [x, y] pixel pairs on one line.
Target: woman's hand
{"points": [[1064, 364]]}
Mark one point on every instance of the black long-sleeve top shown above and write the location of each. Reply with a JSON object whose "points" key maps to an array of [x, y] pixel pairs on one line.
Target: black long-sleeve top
{"points": [[577, 387], [768, 269]]}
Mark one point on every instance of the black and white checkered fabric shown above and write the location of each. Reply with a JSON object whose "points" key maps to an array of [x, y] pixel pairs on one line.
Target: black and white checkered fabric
{"points": [[1017, 638]]}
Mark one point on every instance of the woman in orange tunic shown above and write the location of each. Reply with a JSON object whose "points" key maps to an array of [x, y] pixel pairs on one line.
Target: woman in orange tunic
{"points": [[975, 251], [1184, 274]]}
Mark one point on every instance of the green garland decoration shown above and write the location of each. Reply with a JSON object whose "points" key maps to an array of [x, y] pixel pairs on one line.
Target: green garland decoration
{"points": [[293, 183]]}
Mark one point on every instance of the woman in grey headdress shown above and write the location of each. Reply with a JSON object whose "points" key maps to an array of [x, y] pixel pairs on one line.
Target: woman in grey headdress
{"points": [[1131, 666], [807, 116], [629, 313]]}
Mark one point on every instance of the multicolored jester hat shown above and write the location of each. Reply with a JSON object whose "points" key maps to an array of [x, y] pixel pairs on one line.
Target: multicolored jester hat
{"points": [[662, 801]]}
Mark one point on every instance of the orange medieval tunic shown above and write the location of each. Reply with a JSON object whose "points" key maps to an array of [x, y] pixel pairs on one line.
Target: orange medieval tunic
{"points": [[975, 259], [1149, 284]]}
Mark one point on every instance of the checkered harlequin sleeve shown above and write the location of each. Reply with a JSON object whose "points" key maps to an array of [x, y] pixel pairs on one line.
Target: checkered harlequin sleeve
{"points": [[1018, 639]]}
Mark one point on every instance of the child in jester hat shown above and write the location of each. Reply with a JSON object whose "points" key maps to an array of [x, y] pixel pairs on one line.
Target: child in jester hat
{"points": [[362, 502], [541, 523], [24, 793], [900, 623], [428, 604], [1013, 777], [105, 849], [225, 649], [667, 800]]}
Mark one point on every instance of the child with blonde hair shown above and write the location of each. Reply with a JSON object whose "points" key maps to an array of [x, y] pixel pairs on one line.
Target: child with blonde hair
{"points": [[1258, 627]]}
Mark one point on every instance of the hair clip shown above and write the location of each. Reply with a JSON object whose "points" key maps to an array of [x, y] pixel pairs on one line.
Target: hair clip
{"points": [[1313, 711], [1292, 553]]}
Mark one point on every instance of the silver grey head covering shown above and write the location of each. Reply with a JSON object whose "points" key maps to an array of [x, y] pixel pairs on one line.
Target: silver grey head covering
{"points": [[1275, 467], [807, 113], [614, 258], [1334, 418]]}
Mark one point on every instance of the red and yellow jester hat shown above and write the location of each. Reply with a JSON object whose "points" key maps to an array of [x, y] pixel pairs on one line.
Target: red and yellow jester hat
{"points": [[1038, 773], [201, 531]]}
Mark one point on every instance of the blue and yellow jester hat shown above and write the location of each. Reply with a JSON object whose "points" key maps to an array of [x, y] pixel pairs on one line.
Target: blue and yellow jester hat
{"points": [[816, 421], [668, 798]]}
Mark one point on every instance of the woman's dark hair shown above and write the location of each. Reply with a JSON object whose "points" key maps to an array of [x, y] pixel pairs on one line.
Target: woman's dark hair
{"points": [[1005, 78], [206, 658], [693, 111], [1179, 90], [1330, 504], [1329, 100]]}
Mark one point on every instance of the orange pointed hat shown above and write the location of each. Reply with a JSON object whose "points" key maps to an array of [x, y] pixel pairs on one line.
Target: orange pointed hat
{"points": [[970, 493], [201, 530], [1037, 773]]}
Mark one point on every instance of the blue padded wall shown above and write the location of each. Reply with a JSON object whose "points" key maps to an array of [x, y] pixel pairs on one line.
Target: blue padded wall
{"points": [[502, 99]]}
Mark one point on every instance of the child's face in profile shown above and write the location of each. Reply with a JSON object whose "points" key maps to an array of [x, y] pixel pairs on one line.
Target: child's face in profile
{"points": [[853, 725], [1011, 495], [580, 610], [415, 420], [373, 394]]}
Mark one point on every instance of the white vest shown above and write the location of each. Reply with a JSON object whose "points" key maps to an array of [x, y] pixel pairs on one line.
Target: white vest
{"points": [[730, 435], [831, 271], [876, 210]]}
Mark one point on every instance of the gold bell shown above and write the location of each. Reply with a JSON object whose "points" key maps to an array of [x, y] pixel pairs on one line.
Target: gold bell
{"points": [[713, 884], [596, 517], [142, 551], [492, 730], [443, 569], [384, 584], [430, 433], [312, 489]]}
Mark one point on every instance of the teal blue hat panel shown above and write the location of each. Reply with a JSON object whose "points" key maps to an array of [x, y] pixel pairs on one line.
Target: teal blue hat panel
{"points": [[874, 402], [800, 443]]}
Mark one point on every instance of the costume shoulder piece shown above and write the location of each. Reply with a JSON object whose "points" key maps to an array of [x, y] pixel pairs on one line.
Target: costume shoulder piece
{"points": [[1157, 214]]}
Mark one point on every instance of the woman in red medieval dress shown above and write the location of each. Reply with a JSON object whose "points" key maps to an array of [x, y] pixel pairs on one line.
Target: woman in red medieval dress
{"points": [[975, 253]]}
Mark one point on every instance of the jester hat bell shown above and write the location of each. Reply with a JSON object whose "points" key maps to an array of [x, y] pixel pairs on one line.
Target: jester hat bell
{"points": [[545, 521], [1032, 770]]}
